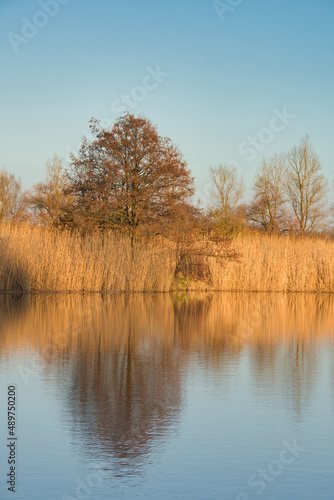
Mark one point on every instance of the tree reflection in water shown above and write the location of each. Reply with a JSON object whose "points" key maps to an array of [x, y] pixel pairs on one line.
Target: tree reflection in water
{"points": [[121, 360]]}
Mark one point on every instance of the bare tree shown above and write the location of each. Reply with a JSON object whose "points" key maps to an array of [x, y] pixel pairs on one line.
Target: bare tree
{"points": [[11, 197], [306, 187], [227, 190], [267, 209], [49, 199]]}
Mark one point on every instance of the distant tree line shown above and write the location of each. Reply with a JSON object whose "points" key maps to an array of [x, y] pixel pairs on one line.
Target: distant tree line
{"points": [[129, 178]]}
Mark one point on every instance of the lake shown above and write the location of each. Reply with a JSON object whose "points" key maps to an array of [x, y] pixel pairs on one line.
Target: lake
{"points": [[189, 396]]}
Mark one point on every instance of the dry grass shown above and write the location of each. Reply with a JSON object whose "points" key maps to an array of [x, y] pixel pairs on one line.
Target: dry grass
{"points": [[278, 264], [36, 259]]}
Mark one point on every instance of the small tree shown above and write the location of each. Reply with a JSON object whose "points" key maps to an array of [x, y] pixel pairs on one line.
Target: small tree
{"points": [[11, 197], [49, 198], [267, 209], [196, 244], [129, 177], [306, 187], [227, 190]]}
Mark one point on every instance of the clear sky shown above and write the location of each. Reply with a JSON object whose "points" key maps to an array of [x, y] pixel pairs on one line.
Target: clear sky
{"points": [[228, 81]]}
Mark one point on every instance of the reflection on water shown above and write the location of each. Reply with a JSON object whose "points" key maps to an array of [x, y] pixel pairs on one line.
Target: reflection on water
{"points": [[122, 364]]}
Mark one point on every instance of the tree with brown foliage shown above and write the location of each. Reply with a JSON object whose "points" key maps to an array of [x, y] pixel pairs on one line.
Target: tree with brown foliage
{"points": [[196, 244], [128, 178]]}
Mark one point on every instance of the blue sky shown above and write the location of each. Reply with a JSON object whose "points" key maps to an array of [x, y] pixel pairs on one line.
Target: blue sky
{"points": [[227, 72]]}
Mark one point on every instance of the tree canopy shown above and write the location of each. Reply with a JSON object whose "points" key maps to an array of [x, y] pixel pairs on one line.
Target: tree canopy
{"points": [[128, 177]]}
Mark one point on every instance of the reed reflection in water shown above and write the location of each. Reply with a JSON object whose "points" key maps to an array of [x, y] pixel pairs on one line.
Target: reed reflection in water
{"points": [[122, 363]]}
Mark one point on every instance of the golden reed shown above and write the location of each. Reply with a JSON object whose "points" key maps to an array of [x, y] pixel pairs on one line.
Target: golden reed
{"points": [[62, 325], [48, 260]]}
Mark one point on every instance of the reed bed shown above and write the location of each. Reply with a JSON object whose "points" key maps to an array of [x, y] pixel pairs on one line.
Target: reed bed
{"points": [[48, 260], [278, 264]]}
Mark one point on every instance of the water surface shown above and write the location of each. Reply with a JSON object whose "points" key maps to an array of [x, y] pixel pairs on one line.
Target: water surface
{"points": [[213, 396]]}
